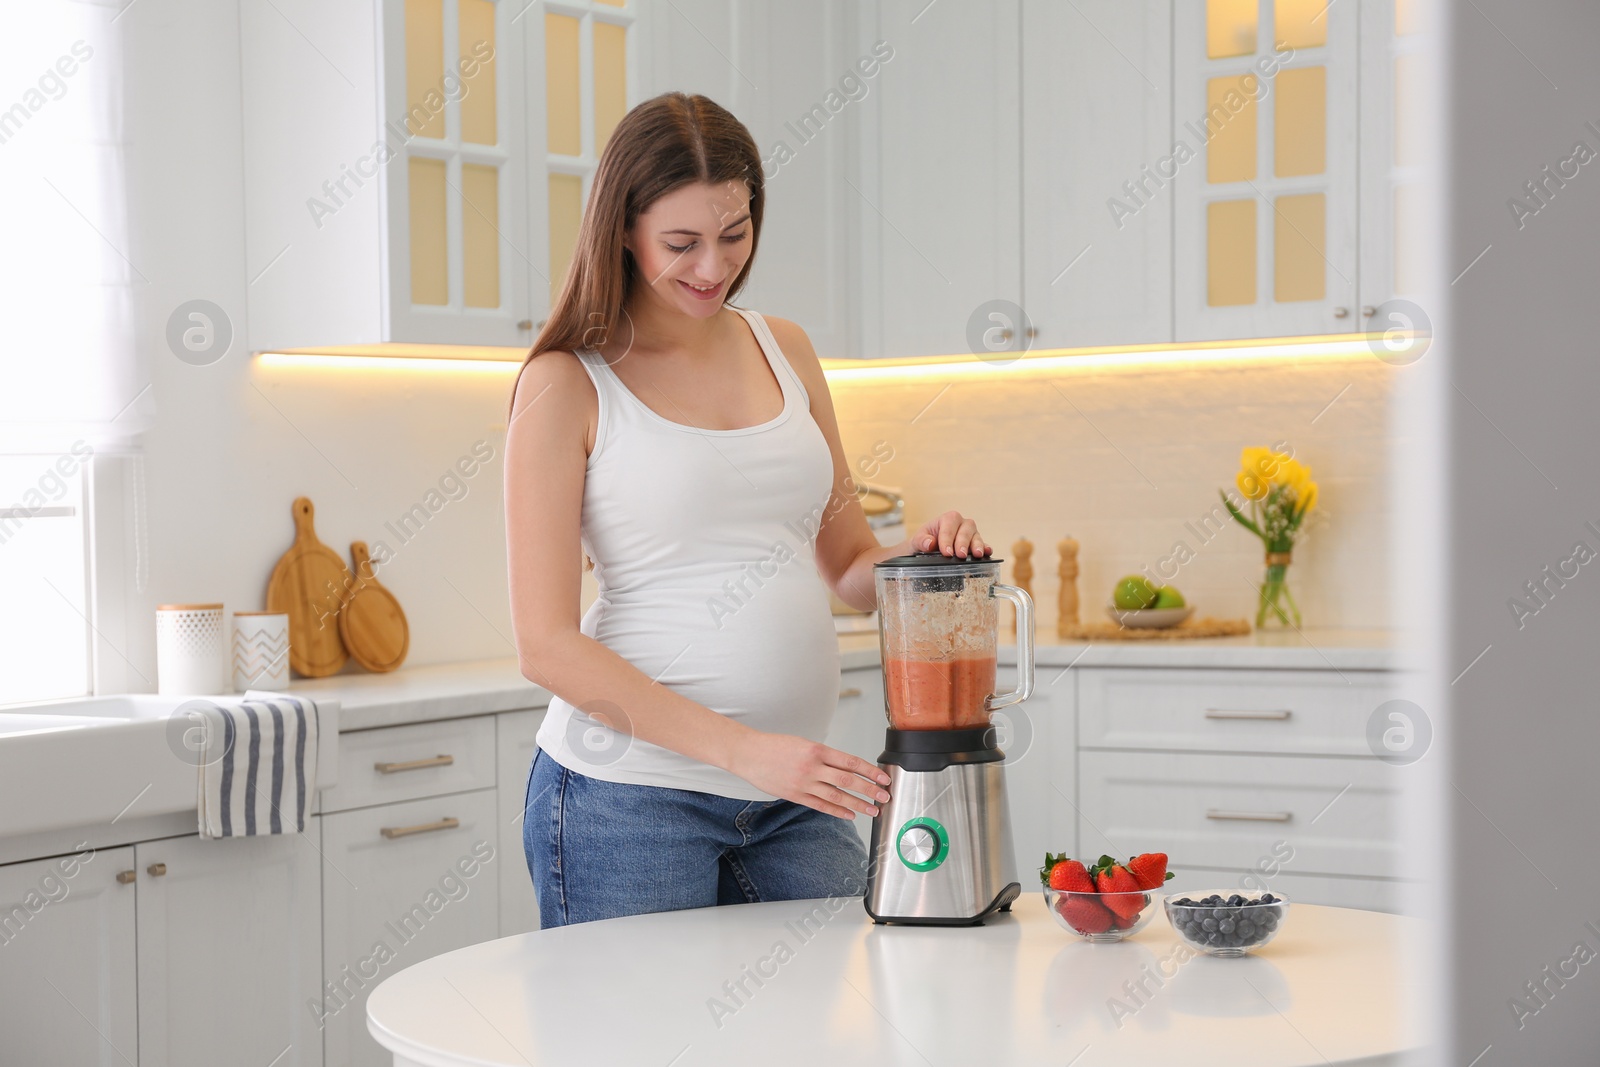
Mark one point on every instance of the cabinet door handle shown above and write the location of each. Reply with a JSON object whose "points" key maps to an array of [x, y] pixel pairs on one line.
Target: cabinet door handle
{"points": [[1248, 816], [853, 691], [414, 765], [157, 869], [1224, 713], [126, 877], [392, 832], [1340, 313]]}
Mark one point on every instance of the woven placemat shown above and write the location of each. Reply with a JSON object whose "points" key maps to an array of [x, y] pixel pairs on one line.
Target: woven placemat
{"points": [[1110, 631]]}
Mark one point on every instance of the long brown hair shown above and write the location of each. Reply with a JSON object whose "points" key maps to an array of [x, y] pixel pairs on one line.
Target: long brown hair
{"points": [[668, 141]]}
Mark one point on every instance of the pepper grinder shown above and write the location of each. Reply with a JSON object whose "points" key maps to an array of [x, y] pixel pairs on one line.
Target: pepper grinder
{"points": [[1022, 571], [1067, 603]]}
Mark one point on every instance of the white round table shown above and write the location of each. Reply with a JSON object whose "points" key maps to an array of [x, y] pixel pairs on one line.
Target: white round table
{"points": [[815, 982]]}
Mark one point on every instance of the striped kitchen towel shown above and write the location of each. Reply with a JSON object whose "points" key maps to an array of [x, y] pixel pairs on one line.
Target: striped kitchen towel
{"points": [[258, 764]]}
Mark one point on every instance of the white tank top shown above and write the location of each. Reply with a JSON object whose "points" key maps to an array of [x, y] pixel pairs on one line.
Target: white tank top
{"points": [[702, 542]]}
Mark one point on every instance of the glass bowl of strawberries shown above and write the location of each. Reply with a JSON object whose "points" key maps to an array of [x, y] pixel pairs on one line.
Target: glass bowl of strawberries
{"points": [[1106, 902]]}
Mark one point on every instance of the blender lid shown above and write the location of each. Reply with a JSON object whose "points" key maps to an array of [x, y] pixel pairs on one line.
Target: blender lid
{"points": [[934, 561]]}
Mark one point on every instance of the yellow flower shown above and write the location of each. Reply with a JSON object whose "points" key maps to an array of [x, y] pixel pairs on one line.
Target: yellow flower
{"points": [[1292, 472], [1260, 469], [1307, 495], [1262, 462], [1252, 486]]}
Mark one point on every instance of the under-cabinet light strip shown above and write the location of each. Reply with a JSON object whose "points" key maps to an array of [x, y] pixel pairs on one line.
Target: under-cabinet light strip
{"points": [[1286, 350]]}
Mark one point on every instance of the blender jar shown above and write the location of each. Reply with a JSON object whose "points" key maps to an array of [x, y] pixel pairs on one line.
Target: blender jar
{"points": [[937, 626]]}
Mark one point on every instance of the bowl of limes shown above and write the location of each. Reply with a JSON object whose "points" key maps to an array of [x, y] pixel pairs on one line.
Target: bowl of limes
{"points": [[1138, 603]]}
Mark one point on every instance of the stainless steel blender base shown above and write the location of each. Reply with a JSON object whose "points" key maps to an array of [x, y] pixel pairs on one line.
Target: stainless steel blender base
{"points": [[941, 850]]}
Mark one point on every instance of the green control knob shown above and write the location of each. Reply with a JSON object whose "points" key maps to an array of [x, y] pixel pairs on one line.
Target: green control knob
{"points": [[922, 844]]}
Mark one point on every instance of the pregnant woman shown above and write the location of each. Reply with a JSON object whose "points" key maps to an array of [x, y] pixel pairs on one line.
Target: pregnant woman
{"points": [[689, 448]]}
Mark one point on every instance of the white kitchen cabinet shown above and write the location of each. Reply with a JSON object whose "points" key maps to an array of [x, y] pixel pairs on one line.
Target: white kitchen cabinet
{"points": [[1228, 811], [1391, 156], [516, 732], [1372, 894], [1097, 139], [1236, 772], [939, 180], [1037, 737], [401, 883], [229, 935], [419, 759], [858, 724], [796, 75], [1265, 109], [68, 976], [1288, 712], [386, 144]]}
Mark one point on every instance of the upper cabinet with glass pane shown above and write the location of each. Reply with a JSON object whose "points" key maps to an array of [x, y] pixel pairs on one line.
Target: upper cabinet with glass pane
{"points": [[1265, 228], [417, 170], [407, 163]]}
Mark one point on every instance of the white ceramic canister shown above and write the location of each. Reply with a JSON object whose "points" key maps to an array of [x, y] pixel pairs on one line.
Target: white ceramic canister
{"points": [[189, 650], [260, 650]]}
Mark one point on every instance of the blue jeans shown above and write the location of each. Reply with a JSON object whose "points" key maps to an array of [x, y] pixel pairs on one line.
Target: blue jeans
{"points": [[599, 849]]}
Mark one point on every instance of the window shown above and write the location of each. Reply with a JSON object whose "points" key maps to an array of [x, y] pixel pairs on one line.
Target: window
{"points": [[44, 587]]}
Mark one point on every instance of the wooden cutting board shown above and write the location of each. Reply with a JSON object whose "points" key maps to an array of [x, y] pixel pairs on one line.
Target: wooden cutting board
{"points": [[372, 623], [311, 585]]}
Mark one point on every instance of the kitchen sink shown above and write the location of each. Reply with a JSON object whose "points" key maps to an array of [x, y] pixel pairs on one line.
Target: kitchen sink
{"points": [[126, 707], [91, 761]]}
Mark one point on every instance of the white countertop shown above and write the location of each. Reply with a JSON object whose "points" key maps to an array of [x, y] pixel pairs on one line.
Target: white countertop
{"points": [[481, 687], [1309, 648], [420, 694], [646, 989]]}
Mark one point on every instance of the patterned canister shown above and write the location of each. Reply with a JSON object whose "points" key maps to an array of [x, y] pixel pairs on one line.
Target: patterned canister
{"points": [[260, 653], [189, 656]]}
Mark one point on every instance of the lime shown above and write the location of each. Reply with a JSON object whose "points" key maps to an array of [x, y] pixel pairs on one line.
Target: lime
{"points": [[1168, 597], [1133, 592]]}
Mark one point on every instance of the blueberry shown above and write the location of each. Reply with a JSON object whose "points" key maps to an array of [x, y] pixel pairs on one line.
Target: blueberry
{"points": [[1185, 901], [1269, 921], [1245, 928], [1269, 899], [1226, 926], [1209, 925], [1235, 900]]}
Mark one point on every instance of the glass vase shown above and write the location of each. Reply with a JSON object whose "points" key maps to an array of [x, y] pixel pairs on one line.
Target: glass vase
{"points": [[1274, 600]]}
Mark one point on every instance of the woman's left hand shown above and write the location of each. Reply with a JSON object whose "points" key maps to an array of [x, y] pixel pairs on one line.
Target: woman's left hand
{"points": [[952, 535]]}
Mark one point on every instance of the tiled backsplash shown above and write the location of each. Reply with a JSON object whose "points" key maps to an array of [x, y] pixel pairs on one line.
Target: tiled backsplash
{"points": [[1129, 463]]}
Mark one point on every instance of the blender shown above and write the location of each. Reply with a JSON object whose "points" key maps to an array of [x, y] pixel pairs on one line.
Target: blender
{"points": [[941, 851]]}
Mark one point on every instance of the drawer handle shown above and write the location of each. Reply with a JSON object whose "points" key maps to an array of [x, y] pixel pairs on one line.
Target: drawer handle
{"points": [[1249, 816], [392, 832], [853, 691], [1274, 716], [414, 765]]}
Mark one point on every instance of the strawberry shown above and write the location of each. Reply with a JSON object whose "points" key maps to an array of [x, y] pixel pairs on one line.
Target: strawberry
{"points": [[1149, 869], [1122, 893], [1051, 861], [1071, 876], [1084, 914]]}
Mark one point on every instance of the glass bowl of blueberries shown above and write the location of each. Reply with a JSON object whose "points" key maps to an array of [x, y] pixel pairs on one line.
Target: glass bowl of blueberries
{"points": [[1226, 924]]}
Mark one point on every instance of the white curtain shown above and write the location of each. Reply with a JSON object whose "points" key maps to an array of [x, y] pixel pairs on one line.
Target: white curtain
{"points": [[68, 369]]}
